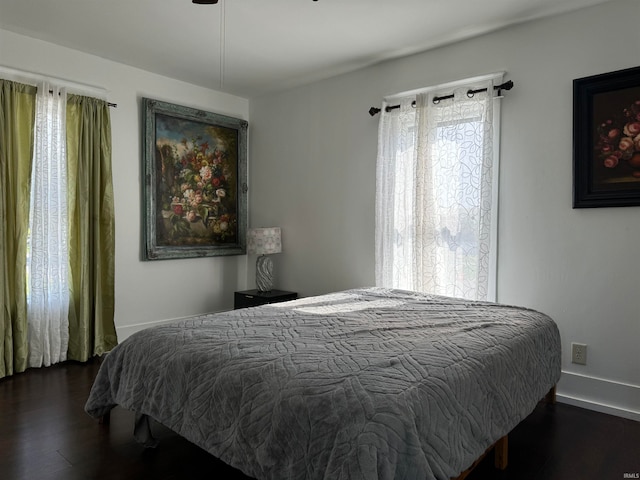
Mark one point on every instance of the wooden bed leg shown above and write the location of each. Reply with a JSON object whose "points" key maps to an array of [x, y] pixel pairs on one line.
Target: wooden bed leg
{"points": [[501, 452], [500, 449], [105, 419], [550, 397]]}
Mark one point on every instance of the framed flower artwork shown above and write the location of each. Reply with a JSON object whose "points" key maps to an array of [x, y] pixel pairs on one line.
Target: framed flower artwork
{"points": [[606, 140], [195, 182]]}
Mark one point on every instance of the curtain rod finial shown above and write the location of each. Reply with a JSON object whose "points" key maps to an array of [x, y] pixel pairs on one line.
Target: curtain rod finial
{"points": [[374, 111]]}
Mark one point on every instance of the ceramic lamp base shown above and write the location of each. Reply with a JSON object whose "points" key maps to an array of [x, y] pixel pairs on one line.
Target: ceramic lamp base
{"points": [[264, 273]]}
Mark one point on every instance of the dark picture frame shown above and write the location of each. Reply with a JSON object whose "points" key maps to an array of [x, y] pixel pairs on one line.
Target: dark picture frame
{"points": [[195, 182], [606, 140]]}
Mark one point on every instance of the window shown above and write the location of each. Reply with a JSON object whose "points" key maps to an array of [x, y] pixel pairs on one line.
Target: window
{"points": [[56, 227], [435, 192]]}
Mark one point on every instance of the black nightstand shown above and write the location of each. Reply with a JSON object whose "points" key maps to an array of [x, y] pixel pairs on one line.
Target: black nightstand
{"points": [[253, 298]]}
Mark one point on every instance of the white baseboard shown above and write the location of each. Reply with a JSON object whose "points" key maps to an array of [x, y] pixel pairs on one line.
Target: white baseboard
{"points": [[128, 330], [600, 394]]}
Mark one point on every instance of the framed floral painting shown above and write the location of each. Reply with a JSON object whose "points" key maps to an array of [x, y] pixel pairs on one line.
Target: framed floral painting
{"points": [[195, 182], [606, 136]]}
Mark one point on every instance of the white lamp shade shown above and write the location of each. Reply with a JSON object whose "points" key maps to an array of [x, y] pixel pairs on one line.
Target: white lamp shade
{"points": [[264, 241]]}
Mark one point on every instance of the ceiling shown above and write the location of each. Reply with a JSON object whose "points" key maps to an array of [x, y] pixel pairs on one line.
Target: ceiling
{"points": [[268, 45]]}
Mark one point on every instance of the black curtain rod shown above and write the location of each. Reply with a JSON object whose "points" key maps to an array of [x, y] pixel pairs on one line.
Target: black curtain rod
{"points": [[114, 105], [508, 85]]}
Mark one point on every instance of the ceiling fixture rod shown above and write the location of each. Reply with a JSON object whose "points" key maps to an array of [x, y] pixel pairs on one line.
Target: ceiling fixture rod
{"points": [[212, 2], [222, 34], [222, 42]]}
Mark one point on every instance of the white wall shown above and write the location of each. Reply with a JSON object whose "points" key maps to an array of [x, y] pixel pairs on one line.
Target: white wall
{"points": [[145, 292], [313, 170]]}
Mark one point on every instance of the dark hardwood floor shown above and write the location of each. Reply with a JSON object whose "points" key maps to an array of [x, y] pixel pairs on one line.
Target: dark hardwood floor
{"points": [[45, 434]]}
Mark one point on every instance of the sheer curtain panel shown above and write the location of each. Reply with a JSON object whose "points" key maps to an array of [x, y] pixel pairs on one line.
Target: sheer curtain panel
{"points": [[47, 259], [17, 112], [436, 214], [396, 185]]}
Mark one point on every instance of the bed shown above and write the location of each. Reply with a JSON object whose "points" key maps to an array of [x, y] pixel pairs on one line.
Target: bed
{"points": [[366, 383]]}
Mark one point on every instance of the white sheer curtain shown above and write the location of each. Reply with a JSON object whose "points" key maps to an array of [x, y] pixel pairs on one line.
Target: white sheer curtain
{"points": [[435, 209], [396, 185], [48, 261]]}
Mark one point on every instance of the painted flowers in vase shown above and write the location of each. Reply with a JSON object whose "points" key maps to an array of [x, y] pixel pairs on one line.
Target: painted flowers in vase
{"points": [[198, 191], [618, 140]]}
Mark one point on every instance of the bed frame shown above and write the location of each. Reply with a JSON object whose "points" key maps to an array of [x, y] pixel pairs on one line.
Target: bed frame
{"points": [[500, 448]]}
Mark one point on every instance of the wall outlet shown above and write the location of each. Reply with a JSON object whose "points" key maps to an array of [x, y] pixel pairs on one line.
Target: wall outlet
{"points": [[579, 353]]}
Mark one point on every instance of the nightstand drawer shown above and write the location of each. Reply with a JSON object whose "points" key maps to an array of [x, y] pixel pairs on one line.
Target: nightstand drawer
{"points": [[254, 298]]}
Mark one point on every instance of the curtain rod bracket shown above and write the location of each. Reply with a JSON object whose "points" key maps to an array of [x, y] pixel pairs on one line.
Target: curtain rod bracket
{"points": [[508, 85], [109, 104]]}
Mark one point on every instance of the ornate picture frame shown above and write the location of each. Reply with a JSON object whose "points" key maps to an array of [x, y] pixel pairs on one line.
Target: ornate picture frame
{"points": [[195, 182], [606, 140]]}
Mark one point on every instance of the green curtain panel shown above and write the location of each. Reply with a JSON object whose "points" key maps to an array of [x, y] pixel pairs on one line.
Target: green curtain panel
{"points": [[17, 113], [92, 228]]}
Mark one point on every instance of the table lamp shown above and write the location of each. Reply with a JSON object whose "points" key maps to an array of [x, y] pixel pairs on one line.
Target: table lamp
{"points": [[263, 242]]}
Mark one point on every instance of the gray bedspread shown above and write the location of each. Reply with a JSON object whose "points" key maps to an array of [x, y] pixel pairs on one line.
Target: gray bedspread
{"points": [[362, 384]]}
